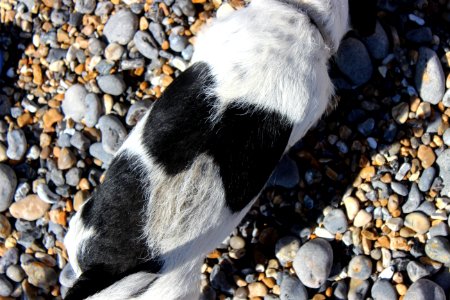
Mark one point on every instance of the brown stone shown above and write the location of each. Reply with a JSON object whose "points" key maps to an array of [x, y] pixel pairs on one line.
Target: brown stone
{"points": [[257, 289], [426, 156], [367, 172], [37, 74], [30, 208], [51, 117], [66, 159]]}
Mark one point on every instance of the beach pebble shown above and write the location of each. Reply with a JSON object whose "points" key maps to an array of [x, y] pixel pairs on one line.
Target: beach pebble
{"points": [[378, 43], [67, 277], [424, 289], [8, 184], [438, 249], [352, 207], [237, 242], [177, 42], [114, 51], [335, 221], [97, 151], [426, 156], [292, 289], [426, 179], [15, 273], [17, 144], [74, 105], [394, 224], [421, 35], [157, 32], [414, 199], [113, 133], [40, 275], [416, 271], [400, 112], [121, 27], [354, 61], [30, 208], [257, 289], [6, 288], [383, 290], [358, 289], [418, 222], [360, 267], [429, 78], [313, 262], [399, 188], [111, 84], [85, 6], [94, 110], [362, 218], [66, 159], [5, 227], [145, 44], [443, 162], [286, 248]]}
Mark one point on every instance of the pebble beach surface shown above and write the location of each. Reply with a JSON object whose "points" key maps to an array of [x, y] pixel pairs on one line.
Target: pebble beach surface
{"points": [[358, 209]]}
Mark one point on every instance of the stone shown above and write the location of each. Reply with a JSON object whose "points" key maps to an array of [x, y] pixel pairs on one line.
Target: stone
{"points": [[73, 176], [426, 179], [74, 105], [424, 289], [352, 207], [335, 221], [383, 290], [237, 242], [362, 218], [414, 199], [17, 144], [286, 248], [421, 35], [15, 273], [399, 188], [111, 84], [440, 229], [429, 78], [443, 162], [94, 109], [177, 42], [114, 51], [121, 27], [146, 45], [394, 224], [285, 174], [5, 227], [418, 222], [66, 159], [360, 267], [438, 249], [67, 277], [292, 289], [113, 133], [6, 288], [257, 289], [378, 43], [80, 141], [40, 275], [426, 156], [313, 262], [400, 112], [46, 195], [358, 289], [97, 151], [416, 271], [85, 6], [8, 184], [136, 112], [354, 61], [157, 32], [446, 137], [402, 171], [30, 208]]}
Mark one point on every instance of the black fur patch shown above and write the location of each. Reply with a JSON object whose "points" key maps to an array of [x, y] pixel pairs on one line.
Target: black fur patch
{"points": [[363, 16], [115, 211], [246, 143]]}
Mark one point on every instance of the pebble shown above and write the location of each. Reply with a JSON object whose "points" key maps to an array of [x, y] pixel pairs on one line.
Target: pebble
{"points": [[67, 277], [66, 159], [292, 289], [400, 112], [426, 179], [237, 242], [286, 249], [17, 144], [421, 35], [335, 221], [362, 218], [74, 105], [426, 156], [114, 51], [383, 290], [394, 224], [5, 227], [424, 289], [40, 275], [429, 78], [80, 141], [416, 271], [145, 44], [85, 6], [358, 289], [97, 151], [30, 208], [111, 84], [440, 229], [399, 188], [157, 32], [285, 174], [443, 162], [15, 273], [46, 195], [6, 288], [257, 289], [177, 42], [121, 27], [378, 43], [414, 199], [418, 222], [313, 262], [446, 137], [136, 112], [360, 267], [8, 184], [354, 61], [94, 110], [113, 133], [438, 249]]}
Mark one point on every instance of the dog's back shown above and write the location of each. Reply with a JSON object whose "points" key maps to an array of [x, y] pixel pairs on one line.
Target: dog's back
{"points": [[194, 164]]}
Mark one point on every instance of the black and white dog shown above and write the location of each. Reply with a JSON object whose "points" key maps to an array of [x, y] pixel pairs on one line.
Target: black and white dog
{"points": [[196, 162]]}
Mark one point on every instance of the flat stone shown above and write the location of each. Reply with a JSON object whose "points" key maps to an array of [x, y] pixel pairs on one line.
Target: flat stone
{"points": [[335, 221], [30, 208], [8, 184], [418, 222], [66, 159], [257, 289], [429, 78], [426, 179], [97, 151], [286, 248], [400, 112], [313, 262], [17, 144], [362, 218], [426, 156], [111, 84], [113, 133], [358, 289], [74, 105], [145, 44], [438, 249], [377, 43], [121, 27], [424, 289], [292, 289], [414, 199], [354, 61], [40, 275], [6, 288], [114, 51], [416, 271], [383, 290], [443, 162], [360, 267]]}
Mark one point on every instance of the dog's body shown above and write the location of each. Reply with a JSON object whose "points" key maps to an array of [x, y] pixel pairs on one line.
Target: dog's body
{"points": [[193, 166]]}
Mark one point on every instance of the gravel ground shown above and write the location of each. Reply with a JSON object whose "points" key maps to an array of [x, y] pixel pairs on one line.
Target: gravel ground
{"points": [[358, 209]]}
